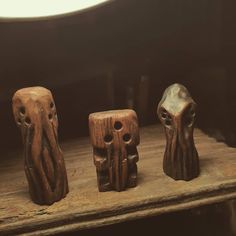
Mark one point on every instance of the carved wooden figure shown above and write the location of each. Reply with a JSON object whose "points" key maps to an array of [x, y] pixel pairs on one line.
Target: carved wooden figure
{"points": [[35, 114], [115, 136], [177, 112]]}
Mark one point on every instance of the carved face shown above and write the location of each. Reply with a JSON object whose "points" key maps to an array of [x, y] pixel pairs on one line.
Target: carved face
{"points": [[119, 128], [177, 109], [34, 107], [176, 112], [114, 136]]}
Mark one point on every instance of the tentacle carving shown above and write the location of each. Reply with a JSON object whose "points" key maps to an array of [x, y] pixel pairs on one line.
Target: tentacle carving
{"points": [[35, 114]]}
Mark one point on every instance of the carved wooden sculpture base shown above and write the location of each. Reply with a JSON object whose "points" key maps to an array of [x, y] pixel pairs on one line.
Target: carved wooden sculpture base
{"points": [[114, 136], [35, 114], [176, 111]]}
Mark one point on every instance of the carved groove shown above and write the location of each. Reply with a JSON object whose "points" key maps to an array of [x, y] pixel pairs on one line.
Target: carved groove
{"points": [[48, 162]]}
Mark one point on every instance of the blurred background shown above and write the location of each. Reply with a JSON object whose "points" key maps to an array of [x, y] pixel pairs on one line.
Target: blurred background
{"points": [[123, 55]]}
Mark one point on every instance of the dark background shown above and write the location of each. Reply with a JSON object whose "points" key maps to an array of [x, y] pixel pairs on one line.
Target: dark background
{"points": [[127, 50], [90, 61]]}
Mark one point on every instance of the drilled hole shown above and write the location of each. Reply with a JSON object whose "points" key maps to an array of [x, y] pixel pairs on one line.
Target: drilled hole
{"points": [[126, 137], [118, 125], [22, 110], [50, 116], [164, 111], [168, 122], [27, 121], [169, 117], [51, 104], [163, 115], [19, 121], [108, 138]]}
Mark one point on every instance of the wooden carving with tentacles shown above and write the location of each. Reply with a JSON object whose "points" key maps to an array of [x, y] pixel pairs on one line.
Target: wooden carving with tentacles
{"points": [[35, 114], [177, 112], [115, 136]]}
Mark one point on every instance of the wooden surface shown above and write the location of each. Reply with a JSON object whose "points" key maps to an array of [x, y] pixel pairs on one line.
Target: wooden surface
{"points": [[85, 207]]}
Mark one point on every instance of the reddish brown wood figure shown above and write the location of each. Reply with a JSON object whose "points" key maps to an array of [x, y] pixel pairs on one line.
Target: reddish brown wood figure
{"points": [[35, 114], [115, 136], [177, 112]]}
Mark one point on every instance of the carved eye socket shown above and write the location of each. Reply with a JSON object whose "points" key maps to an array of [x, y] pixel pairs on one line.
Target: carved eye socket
{"points": [[27, 121], [164, 115], [108, 138], [19, 121], [168, 122], [50, 116], [166, 118], [52, 105], [126, 137], [190, 117], [22, 110], [118, 125]]}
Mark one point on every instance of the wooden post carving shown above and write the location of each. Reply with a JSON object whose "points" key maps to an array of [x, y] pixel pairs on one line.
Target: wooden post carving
{"points": [[115, 136], [176, 112], [35, 114]]}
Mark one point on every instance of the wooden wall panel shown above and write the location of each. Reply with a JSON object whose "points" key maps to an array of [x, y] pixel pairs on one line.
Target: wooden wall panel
{"points": [[165, 39]]}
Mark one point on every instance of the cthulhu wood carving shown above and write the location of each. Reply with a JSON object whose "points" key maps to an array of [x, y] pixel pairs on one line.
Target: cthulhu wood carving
{"points": [[115, 136], [177, 112], [35, 114]]}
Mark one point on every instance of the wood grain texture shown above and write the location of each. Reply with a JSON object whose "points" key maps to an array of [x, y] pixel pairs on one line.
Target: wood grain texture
{"points": [[86, 207], [35, 114], [177, 113], [114, 136]]}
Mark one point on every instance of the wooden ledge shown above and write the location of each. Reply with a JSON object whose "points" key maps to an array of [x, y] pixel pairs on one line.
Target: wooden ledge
{"points": [[85, 207]]}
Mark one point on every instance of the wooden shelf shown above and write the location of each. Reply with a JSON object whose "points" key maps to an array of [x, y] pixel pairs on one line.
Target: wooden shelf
{"points": [[84, 207]]}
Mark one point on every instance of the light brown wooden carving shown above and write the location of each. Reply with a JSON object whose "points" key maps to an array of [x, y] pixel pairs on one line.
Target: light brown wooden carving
{"points": [[115, 136], [35, 114]]}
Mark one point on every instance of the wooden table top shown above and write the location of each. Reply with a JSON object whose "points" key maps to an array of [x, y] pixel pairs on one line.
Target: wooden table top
{"points": [[85, 207]]}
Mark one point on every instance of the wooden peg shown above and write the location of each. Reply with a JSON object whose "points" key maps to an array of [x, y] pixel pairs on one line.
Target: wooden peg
{"points": [[177, 112], [35, 114], [114, 136]]}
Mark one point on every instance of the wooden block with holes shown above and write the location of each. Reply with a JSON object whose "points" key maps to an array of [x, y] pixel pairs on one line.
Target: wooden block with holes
{"points": [[114, 136], [35, 114]]}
